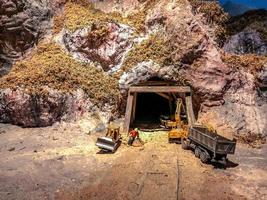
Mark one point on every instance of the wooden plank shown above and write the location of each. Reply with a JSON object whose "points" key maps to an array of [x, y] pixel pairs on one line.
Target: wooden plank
{"points": [[128, 113], [155, 83], [134, 107], [164, 96], [174, 96], [161, 89], [189, 110]]}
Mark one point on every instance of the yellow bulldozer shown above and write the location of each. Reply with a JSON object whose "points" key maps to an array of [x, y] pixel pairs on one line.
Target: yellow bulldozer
{"points": [[111, 141]]}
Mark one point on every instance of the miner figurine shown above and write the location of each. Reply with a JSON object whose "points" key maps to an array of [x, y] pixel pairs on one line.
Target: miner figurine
{"points": [[134, 134]]}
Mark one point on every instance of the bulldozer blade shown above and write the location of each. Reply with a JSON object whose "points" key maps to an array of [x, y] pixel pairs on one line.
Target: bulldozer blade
{"points": [[106, 143]]}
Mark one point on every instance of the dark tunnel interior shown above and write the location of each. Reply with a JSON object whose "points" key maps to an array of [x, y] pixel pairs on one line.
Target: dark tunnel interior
{"points": [[149, 108]]}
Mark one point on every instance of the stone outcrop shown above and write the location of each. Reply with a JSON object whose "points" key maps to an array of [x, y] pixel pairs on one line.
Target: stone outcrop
{"points": [[5, 67], [145, 71], [101, 43], [262, 76], [26, 110], [246, 33], [209, 80], [22, 24], [243, 111], [20, 108], [245, 42]]}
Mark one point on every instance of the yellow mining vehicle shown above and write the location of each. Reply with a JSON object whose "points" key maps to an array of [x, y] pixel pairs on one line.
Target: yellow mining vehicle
{"points": [[111, 141], [178, 128], [177, 133]]}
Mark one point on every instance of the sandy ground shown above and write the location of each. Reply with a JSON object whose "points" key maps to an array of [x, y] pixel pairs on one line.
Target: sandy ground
{"points": [[62, 162]]}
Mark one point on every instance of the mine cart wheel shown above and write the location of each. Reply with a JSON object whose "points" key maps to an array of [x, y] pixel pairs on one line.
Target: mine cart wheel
{"points": [[197, 152], [185, 144], [204, 157]]}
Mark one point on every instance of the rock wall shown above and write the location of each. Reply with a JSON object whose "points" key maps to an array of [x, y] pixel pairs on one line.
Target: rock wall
{"points": [[27, 110], [20, 108], [243, 111], [22, 24]]}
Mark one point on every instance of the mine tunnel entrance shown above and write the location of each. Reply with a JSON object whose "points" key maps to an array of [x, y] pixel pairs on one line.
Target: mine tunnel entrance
{"points": [[147, 104], [149, 108]]}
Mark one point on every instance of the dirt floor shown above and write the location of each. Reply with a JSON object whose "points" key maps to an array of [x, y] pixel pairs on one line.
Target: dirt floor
{"points": [[62, 162]]}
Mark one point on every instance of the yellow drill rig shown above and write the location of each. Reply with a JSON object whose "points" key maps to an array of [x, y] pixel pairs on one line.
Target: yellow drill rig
{"points": [[177, 127]]}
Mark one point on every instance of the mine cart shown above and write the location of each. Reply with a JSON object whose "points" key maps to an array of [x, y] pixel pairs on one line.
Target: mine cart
{"points": [[208, 145]]}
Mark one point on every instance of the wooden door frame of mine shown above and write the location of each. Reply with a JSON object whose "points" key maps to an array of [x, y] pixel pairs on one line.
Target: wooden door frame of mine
{"points": [[160, 90]]}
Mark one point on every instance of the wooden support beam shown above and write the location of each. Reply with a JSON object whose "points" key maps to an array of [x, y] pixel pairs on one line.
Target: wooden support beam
{"points": [[164, 91], [189, 110], [164, 96], [134, 107], [156, 83], [160, 89], [128, 113], [174, 96]]}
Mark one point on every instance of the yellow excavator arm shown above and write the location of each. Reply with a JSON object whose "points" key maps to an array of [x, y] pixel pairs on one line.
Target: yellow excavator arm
{"points": [[178, 130], [179, 107]]}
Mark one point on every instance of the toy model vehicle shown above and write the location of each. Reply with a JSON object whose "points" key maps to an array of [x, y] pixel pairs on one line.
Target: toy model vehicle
{"points": [[177, 128], [111, 141], [207, 145], [177, 132]]}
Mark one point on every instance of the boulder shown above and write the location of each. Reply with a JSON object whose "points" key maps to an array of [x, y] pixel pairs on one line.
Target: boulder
{"points": [[22, 24], [245, 42]]}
